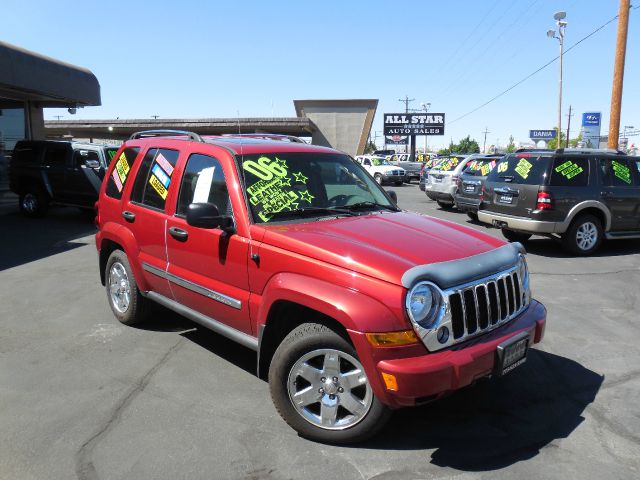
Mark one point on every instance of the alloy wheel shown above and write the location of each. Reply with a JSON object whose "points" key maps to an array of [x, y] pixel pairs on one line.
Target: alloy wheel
{"points": [[119, 287]]}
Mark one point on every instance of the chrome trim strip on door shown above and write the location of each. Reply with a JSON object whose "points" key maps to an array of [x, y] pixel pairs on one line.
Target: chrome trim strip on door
{"points": [[194, 287], [207, 322]]}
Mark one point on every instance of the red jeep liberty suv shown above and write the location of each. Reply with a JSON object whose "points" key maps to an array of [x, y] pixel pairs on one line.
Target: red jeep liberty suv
{"points": [[354, 306]]}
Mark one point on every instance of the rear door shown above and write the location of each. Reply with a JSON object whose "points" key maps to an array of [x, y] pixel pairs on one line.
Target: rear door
{"points": [[144, 214], [57, 157], [621, 191], [512, 186], [208, 267]]}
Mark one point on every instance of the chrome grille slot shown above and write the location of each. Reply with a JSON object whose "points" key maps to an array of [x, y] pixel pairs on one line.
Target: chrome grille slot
{"points": [[455, 301], [482, 306]]}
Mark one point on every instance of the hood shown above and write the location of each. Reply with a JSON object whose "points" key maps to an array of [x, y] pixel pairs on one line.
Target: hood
{"points": [[387, 168], [381, 245]]}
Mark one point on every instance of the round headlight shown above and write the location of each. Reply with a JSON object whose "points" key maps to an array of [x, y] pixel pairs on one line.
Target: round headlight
{"points": [[422, 304]]}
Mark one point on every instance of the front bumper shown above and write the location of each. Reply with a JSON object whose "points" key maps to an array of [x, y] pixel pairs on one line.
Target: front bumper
{"points": [[392, 178], [522, 224], [425, 377]]}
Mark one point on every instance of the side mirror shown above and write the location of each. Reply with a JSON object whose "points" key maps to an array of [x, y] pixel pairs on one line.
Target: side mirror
{"points": [[207, 215], [95, 164], [393, 196]]}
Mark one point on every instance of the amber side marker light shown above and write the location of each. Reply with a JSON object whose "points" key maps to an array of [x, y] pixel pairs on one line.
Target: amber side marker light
{"points": [[392, 339], [390, 381]]}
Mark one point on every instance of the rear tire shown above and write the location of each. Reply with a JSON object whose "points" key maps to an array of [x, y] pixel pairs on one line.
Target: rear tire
{"points": [[398, 184], [34, 203], [584, 235], [444, 205], [334, 402], [473, 216], [515, 236], [378, 178], [125, 299]]}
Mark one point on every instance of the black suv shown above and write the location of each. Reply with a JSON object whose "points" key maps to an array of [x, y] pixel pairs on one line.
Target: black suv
{"points": [[44, 172], [580, 195], [470, 183]]}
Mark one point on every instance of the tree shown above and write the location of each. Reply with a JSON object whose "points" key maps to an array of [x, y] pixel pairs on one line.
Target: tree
{"points": [[370, 147], [553, 143], [511, 146], [466, 145], [574, 141]]}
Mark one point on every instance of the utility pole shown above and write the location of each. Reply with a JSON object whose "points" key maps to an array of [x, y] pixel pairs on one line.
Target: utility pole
{"points": [[155, 117], [58, 116], [406, 101], [618, 74], [568, 126], [484, 144]]}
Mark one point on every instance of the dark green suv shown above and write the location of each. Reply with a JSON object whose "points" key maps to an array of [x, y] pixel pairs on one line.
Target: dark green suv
{"points": [[582, 196]]}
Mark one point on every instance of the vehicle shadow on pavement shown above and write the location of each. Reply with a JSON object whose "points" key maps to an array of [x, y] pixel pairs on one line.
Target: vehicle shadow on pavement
{"points": [[25, 240], [497, 422]]}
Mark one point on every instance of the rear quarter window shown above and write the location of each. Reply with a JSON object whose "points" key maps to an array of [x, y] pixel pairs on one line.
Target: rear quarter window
{"points": [[523, 169], [120, 173], [569, 172]]}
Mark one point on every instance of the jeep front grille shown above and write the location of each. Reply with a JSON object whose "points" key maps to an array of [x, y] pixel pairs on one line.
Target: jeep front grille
{"points": [[482, 306]]}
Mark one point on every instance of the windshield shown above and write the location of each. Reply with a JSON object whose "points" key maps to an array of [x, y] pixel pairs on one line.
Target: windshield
{"points": [[286, 184], [110, 153], [379, 161], [480, 167]]}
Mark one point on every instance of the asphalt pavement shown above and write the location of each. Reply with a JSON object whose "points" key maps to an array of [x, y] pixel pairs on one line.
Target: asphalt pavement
{"points": [[82, 396]]}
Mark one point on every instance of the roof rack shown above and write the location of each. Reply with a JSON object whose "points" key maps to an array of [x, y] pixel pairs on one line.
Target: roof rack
{"points": [[590, 150], [266, 136], [166, 133]]}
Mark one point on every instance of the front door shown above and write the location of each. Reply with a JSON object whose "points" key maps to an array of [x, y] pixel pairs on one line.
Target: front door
{"points": [[84, 177], [208, 268], [620, 192]]}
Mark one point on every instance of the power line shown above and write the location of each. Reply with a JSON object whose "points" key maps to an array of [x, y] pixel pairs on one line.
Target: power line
{"points": [[533, 73]]}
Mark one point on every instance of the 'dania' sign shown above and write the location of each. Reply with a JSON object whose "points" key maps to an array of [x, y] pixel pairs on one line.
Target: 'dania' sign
{"points": [[414, 124], [542, 134]]}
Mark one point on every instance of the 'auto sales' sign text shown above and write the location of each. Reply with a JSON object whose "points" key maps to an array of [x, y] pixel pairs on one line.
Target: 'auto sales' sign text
{"points": [[414, 123]]}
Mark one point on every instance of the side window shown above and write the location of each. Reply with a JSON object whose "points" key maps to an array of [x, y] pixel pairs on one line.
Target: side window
{"points": [[367, 162], [120, 173], [55, 156], [152, 182], [81, 156], [110, 154], [569, 172], [203, 182], [617, 172]]}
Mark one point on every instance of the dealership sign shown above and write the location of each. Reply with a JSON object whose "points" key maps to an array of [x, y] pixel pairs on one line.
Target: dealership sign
{"points": [[413, 124], [591, 129], [536, 135]]}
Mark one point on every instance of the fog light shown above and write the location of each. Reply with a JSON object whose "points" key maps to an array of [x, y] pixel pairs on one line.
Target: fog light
{"points": [[390, 381], [443, 334]]}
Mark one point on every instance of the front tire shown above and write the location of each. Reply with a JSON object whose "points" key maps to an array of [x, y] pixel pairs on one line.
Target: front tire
{"points": [[472, 215], [584, 235], [125, 299], [378, 178], [513, 236], [320, 389]]}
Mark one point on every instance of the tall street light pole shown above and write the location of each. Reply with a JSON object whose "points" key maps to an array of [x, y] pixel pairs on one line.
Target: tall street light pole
{"points": [[562, 24]]}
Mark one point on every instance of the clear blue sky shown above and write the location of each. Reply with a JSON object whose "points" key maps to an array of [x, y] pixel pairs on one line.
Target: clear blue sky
{"points": [[214, 59]]}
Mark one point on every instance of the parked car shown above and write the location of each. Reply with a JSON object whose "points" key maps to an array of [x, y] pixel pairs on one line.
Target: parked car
{"points": [[412, 169], [470, 183], [292, 250], [442, 180], [426, 168], [48, 172], [381, 170], [582, 196]]}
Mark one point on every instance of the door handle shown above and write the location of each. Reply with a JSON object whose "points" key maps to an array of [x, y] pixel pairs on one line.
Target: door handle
{"points": [[129, 216], [605, 194], [179, 234]]}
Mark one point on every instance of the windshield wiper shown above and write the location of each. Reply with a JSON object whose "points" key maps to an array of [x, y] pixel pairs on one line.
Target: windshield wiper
{"points": [[369, 204], [309, 212]]}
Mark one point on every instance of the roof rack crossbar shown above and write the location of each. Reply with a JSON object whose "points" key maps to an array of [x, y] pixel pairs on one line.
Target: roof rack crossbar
{"points": [[166, 133]]}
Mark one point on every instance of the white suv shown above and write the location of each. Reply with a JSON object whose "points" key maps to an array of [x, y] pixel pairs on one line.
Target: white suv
{"points": [[381, 170], [442, 182]]}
